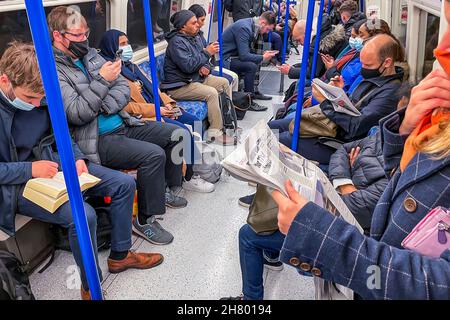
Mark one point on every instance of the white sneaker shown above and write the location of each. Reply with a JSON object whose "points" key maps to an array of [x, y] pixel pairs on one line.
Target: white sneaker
{"points": [[199, 185]]}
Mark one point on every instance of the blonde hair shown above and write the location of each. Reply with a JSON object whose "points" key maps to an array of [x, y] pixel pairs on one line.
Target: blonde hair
{"points": [[439, 145], [20, 65]]}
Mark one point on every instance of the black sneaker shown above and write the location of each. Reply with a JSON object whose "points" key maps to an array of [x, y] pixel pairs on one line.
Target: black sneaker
{"points": [[272, 264], [259, 96], [257, 107], [241, 297], [246, 201]]}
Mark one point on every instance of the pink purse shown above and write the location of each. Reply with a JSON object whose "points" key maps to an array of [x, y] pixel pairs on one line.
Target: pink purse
{"points": [[431, 236]]}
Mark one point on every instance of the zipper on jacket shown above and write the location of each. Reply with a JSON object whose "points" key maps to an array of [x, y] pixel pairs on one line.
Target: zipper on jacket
{"points": [[443, 228]]}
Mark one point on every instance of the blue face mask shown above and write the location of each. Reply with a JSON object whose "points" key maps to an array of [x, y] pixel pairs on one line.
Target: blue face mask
{"points": [[127, 53], [19, 104], [356, 43]]}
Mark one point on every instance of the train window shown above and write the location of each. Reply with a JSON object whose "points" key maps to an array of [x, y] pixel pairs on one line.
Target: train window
{"points": [[14, 24], [161, 12], [431, 42]]}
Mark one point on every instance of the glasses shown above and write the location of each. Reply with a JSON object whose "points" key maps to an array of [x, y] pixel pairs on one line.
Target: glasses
{"points": [[77, 35]]}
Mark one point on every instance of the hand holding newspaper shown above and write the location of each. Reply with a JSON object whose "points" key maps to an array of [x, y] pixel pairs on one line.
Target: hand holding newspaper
{"points": [[263, 160], [337, 97]]}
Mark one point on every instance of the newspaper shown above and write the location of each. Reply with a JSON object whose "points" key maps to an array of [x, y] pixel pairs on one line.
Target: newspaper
{"points": [[338, 98], [262, 159]]}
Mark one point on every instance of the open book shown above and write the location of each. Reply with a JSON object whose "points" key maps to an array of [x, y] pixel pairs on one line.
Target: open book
{"points": [[337, 97], [263, 160], [50, 194]]}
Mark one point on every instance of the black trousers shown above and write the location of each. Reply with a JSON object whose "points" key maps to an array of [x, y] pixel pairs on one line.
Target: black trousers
{"points": [[148, 149]]}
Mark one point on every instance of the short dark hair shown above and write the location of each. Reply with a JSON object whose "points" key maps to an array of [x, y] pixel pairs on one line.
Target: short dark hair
{"points": [[198, 10], [359, 24], [270, 17], [349, 6]]}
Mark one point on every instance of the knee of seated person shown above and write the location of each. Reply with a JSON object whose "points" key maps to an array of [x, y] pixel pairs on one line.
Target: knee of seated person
{"points": [[127, 183], [245, 234], [91, 216], [156, 155]]}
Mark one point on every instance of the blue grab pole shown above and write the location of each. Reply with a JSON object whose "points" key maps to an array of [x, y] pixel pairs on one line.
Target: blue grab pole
{"points": [[286, 31], [329, 7], [361, 6], [46, 60], [211, 20], [271, 8], [279, 11], [302, 80], [151, 53], [220, 25], [316, 46]]}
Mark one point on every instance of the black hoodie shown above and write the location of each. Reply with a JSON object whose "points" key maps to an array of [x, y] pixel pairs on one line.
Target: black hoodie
{"points": [[185, 55], [358, 16]]}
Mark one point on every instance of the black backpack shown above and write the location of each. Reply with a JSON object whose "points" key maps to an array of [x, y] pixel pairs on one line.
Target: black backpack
{"points": [[104, 227], [14, 282], [242, 102]]}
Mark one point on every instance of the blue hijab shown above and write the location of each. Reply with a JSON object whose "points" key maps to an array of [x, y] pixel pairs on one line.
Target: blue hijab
{"points": [[108, 48]]}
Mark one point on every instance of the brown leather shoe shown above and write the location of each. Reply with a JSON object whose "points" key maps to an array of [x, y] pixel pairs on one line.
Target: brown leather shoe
{"points": [[135, 261], [85, 295]]}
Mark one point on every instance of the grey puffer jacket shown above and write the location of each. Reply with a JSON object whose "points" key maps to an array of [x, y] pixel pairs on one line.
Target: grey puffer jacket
{"points": [[86, 98], [367, 175]]}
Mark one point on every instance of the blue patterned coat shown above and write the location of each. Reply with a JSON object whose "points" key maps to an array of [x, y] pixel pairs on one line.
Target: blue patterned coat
{"points": [[377, 267]]}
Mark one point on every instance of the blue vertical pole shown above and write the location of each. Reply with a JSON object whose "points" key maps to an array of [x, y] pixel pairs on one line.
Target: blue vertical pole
{"points": [[220, 25], [44, 52], [211, 20], [329, 7], [286, 31], [271, 9], [316, 46], [151, 53], [302, 80], [361, 6]]}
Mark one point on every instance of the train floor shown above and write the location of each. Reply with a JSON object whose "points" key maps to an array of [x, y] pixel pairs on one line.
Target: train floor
{"points": [[203, 260]]}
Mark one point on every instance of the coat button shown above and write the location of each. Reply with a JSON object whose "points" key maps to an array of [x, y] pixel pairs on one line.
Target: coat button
{"points": [[316, 272], [294, 261], [305, 267], [410, 205]]}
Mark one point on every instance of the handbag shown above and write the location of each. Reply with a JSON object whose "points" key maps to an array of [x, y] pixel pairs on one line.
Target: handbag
{"points": [[242, 102], [431, 236], [262, 217], [314, 123]]}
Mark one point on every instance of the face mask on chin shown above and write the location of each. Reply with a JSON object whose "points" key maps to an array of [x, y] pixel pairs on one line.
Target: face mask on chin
{"points": [[79, 49], [16, 102]]}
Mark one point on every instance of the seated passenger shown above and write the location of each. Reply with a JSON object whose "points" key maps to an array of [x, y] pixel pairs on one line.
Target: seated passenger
{"points": [[243, 46], [350, 15], [417, 152], [376, 95], [142, 104], [200, 14], [357, 171], [24, 125], [95, 95], [187, 71]]}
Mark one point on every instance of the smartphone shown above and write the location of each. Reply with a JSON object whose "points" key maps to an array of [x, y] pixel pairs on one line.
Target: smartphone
{"points": [[177, 112], [119, 54]]}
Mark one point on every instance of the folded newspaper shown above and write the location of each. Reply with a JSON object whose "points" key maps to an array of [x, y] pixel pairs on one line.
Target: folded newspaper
{"points": [[260, 158], [338, 98]]}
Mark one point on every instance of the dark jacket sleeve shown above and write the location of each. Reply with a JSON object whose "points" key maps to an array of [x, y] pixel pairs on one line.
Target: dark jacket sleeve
{"points": [[372, 269], [184, 59], [294, 72], [392, 142], [243, 39], [339, 167], [379, 105], [361, 203], [15, 173]]}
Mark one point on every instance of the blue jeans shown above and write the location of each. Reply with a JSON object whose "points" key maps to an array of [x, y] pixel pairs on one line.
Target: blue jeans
{"points": [[251, 247], [310, 148], [120, 187]]}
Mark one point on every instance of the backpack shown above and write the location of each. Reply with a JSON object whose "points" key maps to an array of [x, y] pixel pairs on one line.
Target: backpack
{"points": [[242, 102], [14, 282], [210, 169], [229, 116], [104, 227]]}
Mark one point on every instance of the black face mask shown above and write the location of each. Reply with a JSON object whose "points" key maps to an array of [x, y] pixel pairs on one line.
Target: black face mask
{"points": [[372, 73], [79, 49]]}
